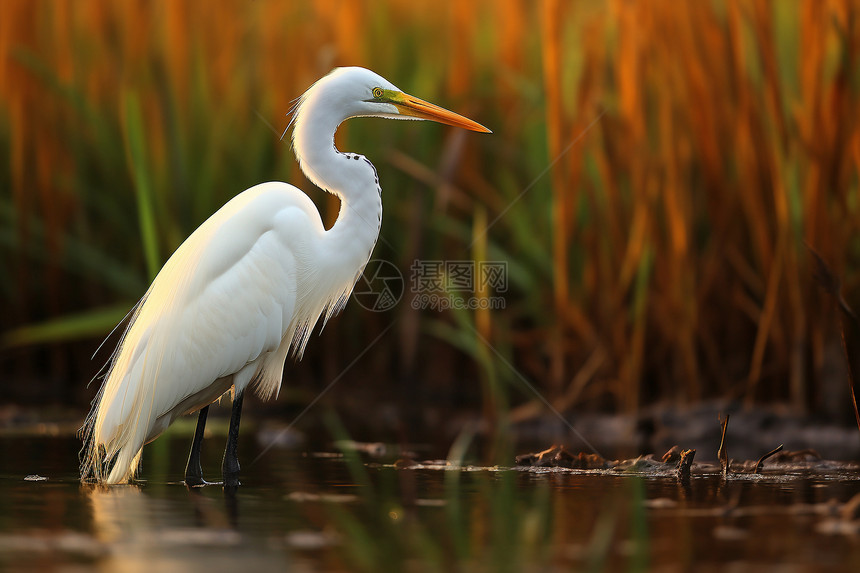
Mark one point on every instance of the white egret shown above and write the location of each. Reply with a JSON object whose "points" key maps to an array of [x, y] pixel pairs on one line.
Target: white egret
{"points": [[245, 290]]}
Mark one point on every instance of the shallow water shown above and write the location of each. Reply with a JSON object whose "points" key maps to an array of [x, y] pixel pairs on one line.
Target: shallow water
{"points": [[301, 511]]}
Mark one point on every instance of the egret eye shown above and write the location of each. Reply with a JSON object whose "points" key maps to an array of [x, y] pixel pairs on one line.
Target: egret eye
{"points": [[377, 93]]}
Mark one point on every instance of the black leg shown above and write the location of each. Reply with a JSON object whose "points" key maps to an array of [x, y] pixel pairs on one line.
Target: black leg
{"points": [[193, 470], [230, 466]]}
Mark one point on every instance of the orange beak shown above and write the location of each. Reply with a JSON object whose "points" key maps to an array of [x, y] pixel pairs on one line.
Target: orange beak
{"points": [[415, 107]]}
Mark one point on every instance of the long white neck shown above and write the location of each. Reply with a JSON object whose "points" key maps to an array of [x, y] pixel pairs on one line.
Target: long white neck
{"points": [[351, 177]]}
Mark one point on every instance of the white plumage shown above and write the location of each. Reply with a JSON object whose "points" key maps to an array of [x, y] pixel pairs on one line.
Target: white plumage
{"points": [[247, 287]]}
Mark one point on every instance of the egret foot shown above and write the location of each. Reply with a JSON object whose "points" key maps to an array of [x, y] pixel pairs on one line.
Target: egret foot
{"points": [[193, 469], [230, 465]]}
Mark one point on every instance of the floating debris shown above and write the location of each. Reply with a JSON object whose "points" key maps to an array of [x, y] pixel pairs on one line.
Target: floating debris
{"points": [[35, 477], [558, 457], [642, 464], [686, 462], [405, 464]]}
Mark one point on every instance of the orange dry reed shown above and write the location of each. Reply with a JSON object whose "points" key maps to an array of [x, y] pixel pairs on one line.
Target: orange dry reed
{"points": [[696, 146]]}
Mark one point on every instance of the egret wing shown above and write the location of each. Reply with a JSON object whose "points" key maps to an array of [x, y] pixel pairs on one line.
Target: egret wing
{"points": [[223, 301]]}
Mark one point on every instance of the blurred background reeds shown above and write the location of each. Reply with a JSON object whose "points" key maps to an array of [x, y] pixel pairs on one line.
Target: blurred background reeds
{"points": [[655, 173]]}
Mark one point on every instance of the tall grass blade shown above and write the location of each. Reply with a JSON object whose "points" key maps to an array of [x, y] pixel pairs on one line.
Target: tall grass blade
{"points": [[71, 327], [136, 157]]}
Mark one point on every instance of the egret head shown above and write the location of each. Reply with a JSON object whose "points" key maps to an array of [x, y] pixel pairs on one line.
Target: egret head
{"points": [[358, 92]]}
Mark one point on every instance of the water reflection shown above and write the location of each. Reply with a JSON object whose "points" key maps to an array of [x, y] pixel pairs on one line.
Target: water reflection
{"points": [[299, 510], [183, 529]]}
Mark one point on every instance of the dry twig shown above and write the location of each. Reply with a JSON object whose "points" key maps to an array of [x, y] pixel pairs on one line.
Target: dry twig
{"points": [[722, 453], [764, 457]]}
